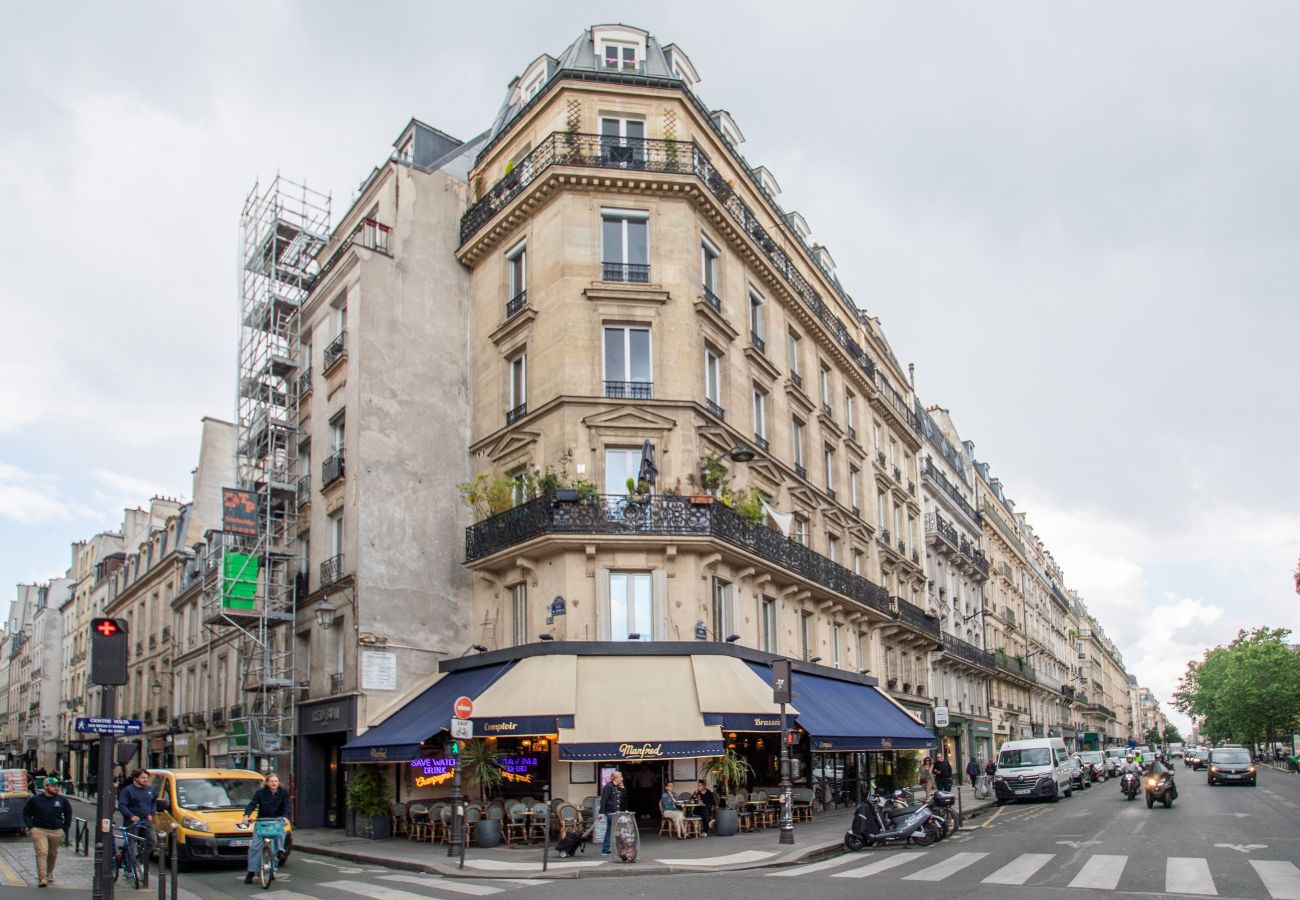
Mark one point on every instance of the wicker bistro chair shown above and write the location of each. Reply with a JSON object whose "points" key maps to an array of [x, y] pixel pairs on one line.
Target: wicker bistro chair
{"points": [[516, 826], [472, 816], [421, 825], [569, 818], [397, 814], [436, 821], [803, 804], [538, 828]]}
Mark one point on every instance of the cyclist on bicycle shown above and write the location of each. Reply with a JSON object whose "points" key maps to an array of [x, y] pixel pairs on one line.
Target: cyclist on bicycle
{"points": [[270, 802], [138, 802]]}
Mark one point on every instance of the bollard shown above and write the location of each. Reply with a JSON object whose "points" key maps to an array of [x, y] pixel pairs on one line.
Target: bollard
{"points": [[162, 866], [174, 860]]}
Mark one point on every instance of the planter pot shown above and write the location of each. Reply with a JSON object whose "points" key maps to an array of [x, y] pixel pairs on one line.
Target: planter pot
{"points": [[488, 832], [701, 499], [376, 828], [725, 822], [566, 495]]}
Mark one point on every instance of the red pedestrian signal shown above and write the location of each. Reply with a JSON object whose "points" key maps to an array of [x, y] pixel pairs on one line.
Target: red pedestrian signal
{"points": [[108, 651]]}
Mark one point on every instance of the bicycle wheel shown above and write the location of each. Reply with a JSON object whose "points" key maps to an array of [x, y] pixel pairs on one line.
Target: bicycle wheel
{"points": [[266, 874], [137, 870]]}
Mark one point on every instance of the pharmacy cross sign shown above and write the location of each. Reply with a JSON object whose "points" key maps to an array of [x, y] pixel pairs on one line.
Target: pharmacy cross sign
{"points": [[107, 627]]}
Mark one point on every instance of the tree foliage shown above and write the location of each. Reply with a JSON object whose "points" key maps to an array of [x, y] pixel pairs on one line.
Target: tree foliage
{"points": [[1247, 691]]}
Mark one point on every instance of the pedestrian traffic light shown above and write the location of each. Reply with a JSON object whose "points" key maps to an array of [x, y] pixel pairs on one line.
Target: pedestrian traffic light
{"points": [[108, 641], [454, 748]]}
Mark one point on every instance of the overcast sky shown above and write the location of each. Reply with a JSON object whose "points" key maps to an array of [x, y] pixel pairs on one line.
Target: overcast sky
{"points": [[1080, 221]]}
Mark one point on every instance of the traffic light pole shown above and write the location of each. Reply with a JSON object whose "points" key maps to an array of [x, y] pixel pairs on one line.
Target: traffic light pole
{"points": [[103, 881], [787, 789], [456, 847]]}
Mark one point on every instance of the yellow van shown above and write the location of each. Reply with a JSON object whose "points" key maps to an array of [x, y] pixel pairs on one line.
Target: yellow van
{"points": [[208, 805]]}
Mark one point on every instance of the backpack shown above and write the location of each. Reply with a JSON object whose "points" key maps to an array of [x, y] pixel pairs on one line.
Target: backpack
{"points": [[573, 842]]}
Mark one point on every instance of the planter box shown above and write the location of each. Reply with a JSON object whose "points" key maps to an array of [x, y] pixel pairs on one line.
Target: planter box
{"points": [[702, 499], [726, 822], [566, 495]]}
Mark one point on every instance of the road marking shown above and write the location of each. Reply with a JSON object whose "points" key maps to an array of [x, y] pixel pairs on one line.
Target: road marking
{"points": [[950, 866], [9, 874], [1189, 875], [1243, 848], [1079, 845], [373, 891], [293, 895], [1100, 872], [879, 865], [1282, 879], [811, 867], [445, 884], [993, 818], [1020, 869]]}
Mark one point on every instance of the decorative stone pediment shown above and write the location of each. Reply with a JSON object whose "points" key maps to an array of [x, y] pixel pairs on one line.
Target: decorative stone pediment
{"points": [[511, 444], [765, 471], [834, 517], [804, 497], [639, 419]]}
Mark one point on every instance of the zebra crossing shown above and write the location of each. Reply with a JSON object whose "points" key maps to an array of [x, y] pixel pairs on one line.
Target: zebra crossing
{"points": [[399, 886], [1277, 879]]}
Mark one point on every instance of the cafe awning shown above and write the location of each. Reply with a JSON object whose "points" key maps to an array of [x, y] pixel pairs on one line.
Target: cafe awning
{"points": [[636, 708], [733, 695], [537, 696], [849, 716], [398, 737]]}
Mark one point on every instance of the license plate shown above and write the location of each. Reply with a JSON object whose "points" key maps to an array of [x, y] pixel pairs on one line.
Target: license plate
{"points": [[241, 843], [1023, 791]]}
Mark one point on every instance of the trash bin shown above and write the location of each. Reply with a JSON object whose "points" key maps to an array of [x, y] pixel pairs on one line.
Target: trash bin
{"points": [[626, 842]]}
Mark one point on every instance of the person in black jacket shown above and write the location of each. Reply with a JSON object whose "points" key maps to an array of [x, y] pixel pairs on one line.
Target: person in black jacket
{"points": [[45, 815], [613, 799], [270, 802], [708, 803], [942, 773], [137, 803]]}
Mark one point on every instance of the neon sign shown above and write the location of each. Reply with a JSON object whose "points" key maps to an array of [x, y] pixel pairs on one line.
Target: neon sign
{"points": [[518, 769]]}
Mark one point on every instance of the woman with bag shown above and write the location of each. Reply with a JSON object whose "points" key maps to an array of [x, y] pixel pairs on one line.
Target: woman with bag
{"points": [[927, 777]]}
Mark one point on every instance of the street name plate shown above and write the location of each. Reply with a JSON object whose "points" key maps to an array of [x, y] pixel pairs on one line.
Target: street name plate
{"points": [[91, 725]]}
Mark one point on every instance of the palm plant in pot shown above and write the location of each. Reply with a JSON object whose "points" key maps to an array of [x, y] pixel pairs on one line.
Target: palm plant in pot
{"points": [[368, 799], [728, 770], [481, 768]]}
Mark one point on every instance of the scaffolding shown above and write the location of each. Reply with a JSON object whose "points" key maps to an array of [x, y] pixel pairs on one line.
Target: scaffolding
{"points": [[252, 583]]}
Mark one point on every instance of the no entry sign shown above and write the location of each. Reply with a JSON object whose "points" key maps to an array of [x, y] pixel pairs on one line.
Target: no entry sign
{"points": [[464, 707]]}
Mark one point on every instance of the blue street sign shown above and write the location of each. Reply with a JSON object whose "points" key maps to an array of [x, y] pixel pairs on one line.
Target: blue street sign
{"points": [[90, 725]]}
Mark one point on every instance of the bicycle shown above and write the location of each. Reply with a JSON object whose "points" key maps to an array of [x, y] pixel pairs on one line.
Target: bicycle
{"points": [[125, 856], [271, 833]]}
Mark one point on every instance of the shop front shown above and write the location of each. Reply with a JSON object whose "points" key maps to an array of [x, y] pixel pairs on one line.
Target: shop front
{"points": [[323, 728], [981, 738]]}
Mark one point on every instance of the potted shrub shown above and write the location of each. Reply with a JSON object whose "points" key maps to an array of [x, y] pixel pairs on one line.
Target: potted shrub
{"points": [[728, 769], [480, 767], [368, 799]]}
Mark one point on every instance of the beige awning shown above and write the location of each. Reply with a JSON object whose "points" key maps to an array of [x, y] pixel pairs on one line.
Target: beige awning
{"points": [[732, 695], [537, 696], [637, 708]]}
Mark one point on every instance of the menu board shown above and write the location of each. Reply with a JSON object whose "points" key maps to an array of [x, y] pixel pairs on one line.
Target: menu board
{"points": [[15, 781]]}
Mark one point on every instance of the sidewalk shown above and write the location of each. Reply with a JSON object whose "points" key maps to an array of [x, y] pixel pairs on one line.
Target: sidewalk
{"points": [[816, 840]]}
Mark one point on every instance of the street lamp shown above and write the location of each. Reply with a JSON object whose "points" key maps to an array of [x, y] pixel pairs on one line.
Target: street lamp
{"points": [[740, 453], [325, 613], [156, 686]]}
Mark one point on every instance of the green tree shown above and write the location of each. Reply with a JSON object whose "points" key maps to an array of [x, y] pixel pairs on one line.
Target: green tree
{"points": [[1172, 735], [1248, 691]]}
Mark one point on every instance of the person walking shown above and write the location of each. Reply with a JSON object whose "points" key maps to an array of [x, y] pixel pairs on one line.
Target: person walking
{"points": [[45, 816], [269, 802], [137, 803], [613, 799], [926, 777], [973, 770], [942, 773]]}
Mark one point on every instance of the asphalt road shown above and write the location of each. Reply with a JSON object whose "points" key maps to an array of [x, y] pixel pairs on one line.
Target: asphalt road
{"points": [[1227, 841]]}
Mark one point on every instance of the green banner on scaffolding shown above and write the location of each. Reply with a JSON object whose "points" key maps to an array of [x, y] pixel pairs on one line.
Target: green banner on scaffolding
{"points": [[238, 581], [237, 736]]}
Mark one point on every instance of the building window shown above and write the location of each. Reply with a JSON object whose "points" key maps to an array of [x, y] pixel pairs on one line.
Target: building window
{"points": [[724, 619], [857, 562], [625, 245], [826, 388], [630, 606], [853, 488], [712, 377], [828, 460], [835, 645], [518, 401], [756, 330], [620, 57], [877, 435], [336, 432], [850, 413], [805, 635], [760, 415], [517, 274], [622, 142], [519, 613], [336, 534], [793, 348], [767, 624], [628, 374], [709, 272], [535, 86], [833, 547], [881, 507], [799, 529], [620, 465]]}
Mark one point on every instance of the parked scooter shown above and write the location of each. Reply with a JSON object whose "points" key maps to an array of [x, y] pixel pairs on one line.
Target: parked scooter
{"points": [[1098, 771], [876, 822], [1159, 786], [1128, 785], [942, 806]]}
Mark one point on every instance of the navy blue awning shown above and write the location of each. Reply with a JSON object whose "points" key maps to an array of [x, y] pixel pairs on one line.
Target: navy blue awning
{"points": [[398, 738], [844, 715]]}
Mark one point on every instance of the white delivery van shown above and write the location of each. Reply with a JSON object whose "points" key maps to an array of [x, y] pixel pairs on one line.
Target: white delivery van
{"points": [[1033, 769]]}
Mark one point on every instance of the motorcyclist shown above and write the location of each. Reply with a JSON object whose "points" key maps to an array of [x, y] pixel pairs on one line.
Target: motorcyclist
{"points": [[1131, 766]]}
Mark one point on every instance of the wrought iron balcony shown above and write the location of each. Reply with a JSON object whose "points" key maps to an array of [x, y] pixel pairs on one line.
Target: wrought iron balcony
{"points": [[715, 409], [1014, 666], [758, 343], [336, 350], [629, 390], [853, 433], [800, 470], [667, 516], [336, 683], [955, 646], [332, 469], [880, 458], [796, 379], [898, 475], [331, 570], [304, 383], [826, 411], [936, 524], [711, 298], [762, 443], [884, 536], [633, 273], [856, 511], [911, 488], [516, 303], [514, 415], [830, 492], [947, 487], [902, 547], [916, 617]]}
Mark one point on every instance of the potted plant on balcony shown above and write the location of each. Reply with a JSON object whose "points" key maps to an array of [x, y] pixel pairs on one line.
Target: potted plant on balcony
{"points": [[638, 492], [728, 769], [368, 800]]}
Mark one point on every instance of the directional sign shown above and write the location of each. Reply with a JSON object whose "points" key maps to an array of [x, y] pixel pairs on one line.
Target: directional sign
{"points": [[464, 707], [89, 725], [462, 728]]}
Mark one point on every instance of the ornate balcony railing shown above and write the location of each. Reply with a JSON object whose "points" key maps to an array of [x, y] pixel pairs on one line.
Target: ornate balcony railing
{"points": [[634, 273], [715, 409], [916, 617], [758, 343], [514, 415], [796, 379], [1103, 710], [562, 148], [331, 570], [711, 298], [955, 646], [336, 350], [936, 524], [516, 303], [1015, 666], [332, 469], [668, 516], [800, 470], [762, 443], [629, 390], [940, 481]]}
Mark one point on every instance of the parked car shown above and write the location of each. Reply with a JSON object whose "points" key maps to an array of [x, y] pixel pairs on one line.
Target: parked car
{"points": [[1230, 765], [1080, 774], [1036, 768], [1095, 760]]}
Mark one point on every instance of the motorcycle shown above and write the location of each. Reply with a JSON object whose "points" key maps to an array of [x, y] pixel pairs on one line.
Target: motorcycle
{"points": [[1128, 785], [1098, 771], [1160, 786], [876, 822], [945, 803]]}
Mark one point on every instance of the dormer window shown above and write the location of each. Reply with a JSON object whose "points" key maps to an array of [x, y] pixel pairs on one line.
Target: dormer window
{"points": [[533, 87], [620, 57]]}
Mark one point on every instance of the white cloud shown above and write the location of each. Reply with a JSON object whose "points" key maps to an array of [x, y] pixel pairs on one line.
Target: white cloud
{"points": [[31, 498]]}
